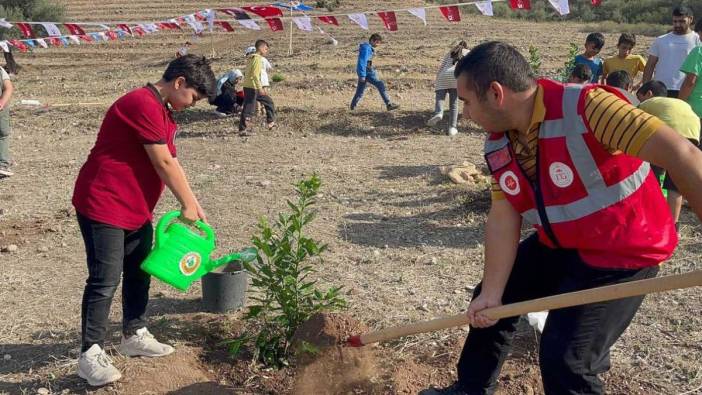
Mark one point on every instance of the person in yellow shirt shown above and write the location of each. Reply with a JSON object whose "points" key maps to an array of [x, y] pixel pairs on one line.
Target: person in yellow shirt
{"points": [[679, 116], [255, 91], [632, 64]]}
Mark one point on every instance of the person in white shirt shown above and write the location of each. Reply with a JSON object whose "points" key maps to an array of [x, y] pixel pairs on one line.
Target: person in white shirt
{"points": [[668, 52], [445, 83]]}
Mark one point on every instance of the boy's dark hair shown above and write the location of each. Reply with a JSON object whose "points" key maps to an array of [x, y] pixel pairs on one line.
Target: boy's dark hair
{"points": [[495, 61], [619, 79], [627, 38], [582, 72], [656, 87], [682, 10], [595, 38], [259, 43], [375, 37], [698, 26], [197, 73]]}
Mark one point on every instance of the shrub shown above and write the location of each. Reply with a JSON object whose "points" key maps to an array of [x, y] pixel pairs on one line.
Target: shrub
{"points": [[564, 72], [278, 77], [534, 59], [330, 5], [285, 296]]}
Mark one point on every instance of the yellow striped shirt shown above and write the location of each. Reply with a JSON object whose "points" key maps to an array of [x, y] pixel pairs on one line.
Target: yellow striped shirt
{"points": [[616, 124]]}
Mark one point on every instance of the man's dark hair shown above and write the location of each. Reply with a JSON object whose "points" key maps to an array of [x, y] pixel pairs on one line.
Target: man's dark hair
{"points": [[658, 88], [595, 38], [259, 43], [197, 73], [682, 10], [582, 72], [495, 61], [627, 38], [619, 79], [698, 26], [375, 37]]}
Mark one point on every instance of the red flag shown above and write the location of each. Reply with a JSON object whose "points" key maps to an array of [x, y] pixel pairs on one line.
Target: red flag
{"points": [[139, 31], [125, 28], [86, 38], [224, 25], [451, 13], [26, 29], [237, 13], [275, 24], [596, 3], [55, 41], [19, 45], [329, 20], [269, 14], [389, 20], [111, 35], [168, 26], [74, 29], [520, 4], [200, 17]]}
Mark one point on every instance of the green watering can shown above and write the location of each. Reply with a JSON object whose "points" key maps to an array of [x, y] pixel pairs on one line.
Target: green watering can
{"points": [[181, 254]]}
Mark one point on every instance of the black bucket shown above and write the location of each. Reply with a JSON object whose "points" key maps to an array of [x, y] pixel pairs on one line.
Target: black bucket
{"points": [[225, 290]]}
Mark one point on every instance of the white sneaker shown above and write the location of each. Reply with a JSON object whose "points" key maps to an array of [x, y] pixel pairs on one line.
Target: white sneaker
{"points": [[96, 367], [5, 172], [435, 119], [144, 344], [452, 131]]}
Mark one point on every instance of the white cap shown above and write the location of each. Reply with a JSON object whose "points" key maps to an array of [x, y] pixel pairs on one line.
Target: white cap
{"points": [[237, 73], [248, 51]]}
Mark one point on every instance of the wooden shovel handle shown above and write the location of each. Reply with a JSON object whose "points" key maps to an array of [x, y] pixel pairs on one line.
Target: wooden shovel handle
{"points": [[593, 295]]}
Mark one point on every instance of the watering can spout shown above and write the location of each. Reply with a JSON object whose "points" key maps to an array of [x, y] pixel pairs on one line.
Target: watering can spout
{"points": [[246, 255]]}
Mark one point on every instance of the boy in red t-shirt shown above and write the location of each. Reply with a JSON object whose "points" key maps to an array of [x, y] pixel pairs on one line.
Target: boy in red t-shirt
{"points": [[117, 189]]}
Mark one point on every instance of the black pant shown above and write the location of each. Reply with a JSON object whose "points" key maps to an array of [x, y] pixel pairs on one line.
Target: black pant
{"points": [[251, 96], [112, 251], [228, 102], [674, 93], [575, 342]]}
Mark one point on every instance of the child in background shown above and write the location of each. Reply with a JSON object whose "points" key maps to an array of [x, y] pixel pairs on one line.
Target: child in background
{"points": [[632, 64], [229, 100], [182, 51], [691, 89], [133, 159], [593, 45], [678, 115], [254, 90], [581, 74], [445, 83]]}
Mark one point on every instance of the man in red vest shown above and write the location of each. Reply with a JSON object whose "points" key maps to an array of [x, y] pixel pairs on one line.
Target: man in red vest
{"points": [[573, 162]]}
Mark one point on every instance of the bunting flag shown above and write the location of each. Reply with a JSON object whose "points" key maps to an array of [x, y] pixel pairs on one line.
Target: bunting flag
{"points": [[329, 20], [193, 22], [4, 46], [123, 27], [85, 38], [74, 29], [452, 14], [561, 6], [389, 20], [19, 45], [303, 23], [26, 30], [64, 41], [226, 26], [295, 6], [596, 3], [74, 39], [42, 43], [360, 19], [249, 24], [520, 4], [54, 41], [51, 29], [5, 24], [237, 13], [420, 13], [269, 14], [138, 30], [485, 7], [166, 26], [30, 43], [111, 35]]}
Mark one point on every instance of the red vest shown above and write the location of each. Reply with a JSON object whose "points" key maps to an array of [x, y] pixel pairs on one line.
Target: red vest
{"points": [[607, 206]]}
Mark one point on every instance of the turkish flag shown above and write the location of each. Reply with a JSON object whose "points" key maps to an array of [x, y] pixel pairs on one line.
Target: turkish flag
{"points": [[268, 13], [389, 20], [520, 4], [125, 28], [596, 2], [451, 13], [329, 20], [26, 29], [111, 35], [54, 41], [224, 25], [74, 29], [237, 13], [139, 31], [19, 45], [168, 26]]}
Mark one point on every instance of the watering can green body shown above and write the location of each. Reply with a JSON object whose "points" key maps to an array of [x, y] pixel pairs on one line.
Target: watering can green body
{"points": [[181, 253]]}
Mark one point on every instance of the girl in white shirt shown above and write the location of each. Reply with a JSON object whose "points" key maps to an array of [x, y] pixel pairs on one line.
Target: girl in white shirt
{"points": [[445, 83]]}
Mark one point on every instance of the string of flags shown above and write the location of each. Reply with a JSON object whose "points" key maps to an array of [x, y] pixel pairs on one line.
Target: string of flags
{"points": [[207, 19]]}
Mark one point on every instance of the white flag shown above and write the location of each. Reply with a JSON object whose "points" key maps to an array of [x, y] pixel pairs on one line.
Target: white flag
{"points": [[74, 39], [5, 24], [420, 13], [195, 24], [150, 27], [52, 29], [42, 43], [249, 24], [485, 7], [210, 18], [4, 46], [303, 23], [104, 36], [360, 19], [561, 6]]}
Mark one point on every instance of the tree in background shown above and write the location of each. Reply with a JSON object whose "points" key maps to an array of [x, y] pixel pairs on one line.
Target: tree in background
{"points": [[26, 10]]}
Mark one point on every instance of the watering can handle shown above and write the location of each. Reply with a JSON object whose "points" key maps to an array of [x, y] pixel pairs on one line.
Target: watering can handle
{"points": [[169, 217]]}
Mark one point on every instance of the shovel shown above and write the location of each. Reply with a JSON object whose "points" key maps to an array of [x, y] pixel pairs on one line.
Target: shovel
{"points": [[593, 295]]}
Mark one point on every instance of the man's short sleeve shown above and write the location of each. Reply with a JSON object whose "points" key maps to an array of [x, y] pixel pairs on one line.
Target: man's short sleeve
{"points": [[3, 74], [145, 115], [495, 191], [654, 50], [693, 62]]}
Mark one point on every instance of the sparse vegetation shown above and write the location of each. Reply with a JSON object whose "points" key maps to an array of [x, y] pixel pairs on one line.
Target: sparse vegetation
{"points": [[534, 59], [330, 5]]}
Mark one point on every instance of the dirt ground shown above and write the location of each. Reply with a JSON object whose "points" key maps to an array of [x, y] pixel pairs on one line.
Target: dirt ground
{"points": [[404, 241]]}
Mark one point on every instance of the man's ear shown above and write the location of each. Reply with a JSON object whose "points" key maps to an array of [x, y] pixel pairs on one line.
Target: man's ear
{"points": [[496, 93]]}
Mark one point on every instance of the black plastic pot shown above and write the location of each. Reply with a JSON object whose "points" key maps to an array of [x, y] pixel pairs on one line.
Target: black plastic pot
{"points": [[226, 290]]}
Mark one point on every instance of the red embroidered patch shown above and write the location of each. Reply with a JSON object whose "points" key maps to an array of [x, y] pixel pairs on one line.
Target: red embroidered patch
{"points": [[498, 159]]}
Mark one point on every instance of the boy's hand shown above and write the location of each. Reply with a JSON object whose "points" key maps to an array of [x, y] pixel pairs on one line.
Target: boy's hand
{"points": [[201, 213], [262, 92], [362, 79], [191, 214]]}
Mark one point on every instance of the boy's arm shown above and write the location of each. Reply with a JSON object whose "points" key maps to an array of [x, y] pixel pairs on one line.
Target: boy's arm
{"points": [[256, 67], [172, 174], [501, 242], [7, 90], [361, 67]]}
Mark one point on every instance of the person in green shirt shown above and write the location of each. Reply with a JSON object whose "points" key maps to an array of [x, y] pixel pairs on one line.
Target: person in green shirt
{"points": [[691, 89]]}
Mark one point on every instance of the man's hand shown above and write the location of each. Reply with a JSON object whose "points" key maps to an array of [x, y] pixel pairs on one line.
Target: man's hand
{"points": [[362, 79], [480, 303], [262, 92]]}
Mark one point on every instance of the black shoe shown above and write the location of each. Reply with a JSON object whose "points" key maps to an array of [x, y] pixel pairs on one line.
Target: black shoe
{"points": [[393, 106], [453, 389]]}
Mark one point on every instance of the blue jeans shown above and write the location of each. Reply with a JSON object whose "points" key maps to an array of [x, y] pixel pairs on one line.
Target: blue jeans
{"points": [[453, 104], [371, 78]]}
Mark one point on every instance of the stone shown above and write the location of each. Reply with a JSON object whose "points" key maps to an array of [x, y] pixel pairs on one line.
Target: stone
{"points": [[264, 183], [7, 357], [9, 248], [423, 307], [43, 249], [43, 391]]}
